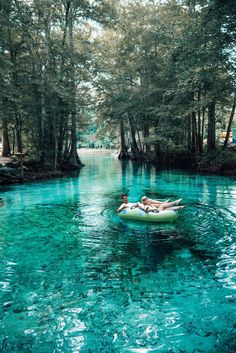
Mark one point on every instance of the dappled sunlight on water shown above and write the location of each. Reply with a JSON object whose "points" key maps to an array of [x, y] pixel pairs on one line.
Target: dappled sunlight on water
{"points": [[76, 278]]}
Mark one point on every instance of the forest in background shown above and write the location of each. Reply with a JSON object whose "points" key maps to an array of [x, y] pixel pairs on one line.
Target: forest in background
{"points": [[156, 76]]}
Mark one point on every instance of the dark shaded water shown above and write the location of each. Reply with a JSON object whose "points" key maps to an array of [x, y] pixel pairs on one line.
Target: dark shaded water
{"points": [[75, 278]]}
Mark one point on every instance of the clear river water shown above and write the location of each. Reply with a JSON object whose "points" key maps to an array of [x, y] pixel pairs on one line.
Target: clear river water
{"points": [[76, 278]]}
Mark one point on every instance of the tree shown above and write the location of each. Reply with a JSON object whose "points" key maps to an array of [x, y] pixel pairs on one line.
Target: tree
{"points": [[172, 75], [45, 48]]}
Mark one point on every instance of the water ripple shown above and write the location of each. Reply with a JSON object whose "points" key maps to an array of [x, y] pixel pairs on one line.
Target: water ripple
{"points": [[76, 278]]}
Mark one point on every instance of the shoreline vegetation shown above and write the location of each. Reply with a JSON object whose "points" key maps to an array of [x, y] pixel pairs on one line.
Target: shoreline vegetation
{"points": [[15, 171], [141, 75]]}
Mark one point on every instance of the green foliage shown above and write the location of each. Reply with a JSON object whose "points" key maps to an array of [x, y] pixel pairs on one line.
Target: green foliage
{"points": [[45, 60], [165, 70], [219, 161], [161, 68]]}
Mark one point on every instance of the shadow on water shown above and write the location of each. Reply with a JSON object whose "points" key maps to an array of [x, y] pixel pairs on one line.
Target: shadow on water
{"points": [[156, 242], [124, 185], [228, 344]]}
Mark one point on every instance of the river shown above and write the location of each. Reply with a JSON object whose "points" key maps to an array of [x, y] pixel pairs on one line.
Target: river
{"points": [[75, 278]]}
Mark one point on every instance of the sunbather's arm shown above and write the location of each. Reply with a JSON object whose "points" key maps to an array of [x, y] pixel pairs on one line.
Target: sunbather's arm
{"points": [[122, 207]]}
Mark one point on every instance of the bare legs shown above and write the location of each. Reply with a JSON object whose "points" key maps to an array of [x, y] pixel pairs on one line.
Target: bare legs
{"points": [[163, 206], [152, 207], [171, 208]]}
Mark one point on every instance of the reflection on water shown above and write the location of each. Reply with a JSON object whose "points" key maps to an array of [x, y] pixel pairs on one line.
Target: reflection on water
{"points": [[76, 278]]}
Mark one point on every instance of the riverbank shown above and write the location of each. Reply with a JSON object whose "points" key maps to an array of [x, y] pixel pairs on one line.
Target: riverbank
{"points": [[82, 151], [217, 163], [11, 171]]}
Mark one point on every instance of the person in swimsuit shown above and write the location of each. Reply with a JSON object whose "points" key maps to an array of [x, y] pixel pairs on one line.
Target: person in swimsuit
{"points": [[158, 206], [127, 204]]}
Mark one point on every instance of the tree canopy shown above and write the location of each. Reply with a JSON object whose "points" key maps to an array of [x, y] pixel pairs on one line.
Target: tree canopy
{"points": [[162, 73]]}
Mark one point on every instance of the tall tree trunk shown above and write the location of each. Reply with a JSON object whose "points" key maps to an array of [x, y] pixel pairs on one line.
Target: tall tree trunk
{"points": [[199, 132], [20, 147], [42, 114], [21, 167], [146, 135], [199, 127], [13, 49], [189, 132], [123, 149], [66, 144], [203, 125], [139, 141], [73, 157], [211, 133], [231, 118], [13, 140], [48, 98], [18, 134], [6, 150], [134, 145], [62, 127], [194, 133], [55, 129]]}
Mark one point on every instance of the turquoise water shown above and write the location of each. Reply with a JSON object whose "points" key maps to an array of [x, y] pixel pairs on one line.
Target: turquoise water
{"points": [[75, 278]]}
